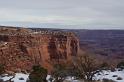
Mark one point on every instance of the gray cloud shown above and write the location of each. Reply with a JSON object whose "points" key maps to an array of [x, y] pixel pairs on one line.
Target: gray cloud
{"points": [[87, 13]]}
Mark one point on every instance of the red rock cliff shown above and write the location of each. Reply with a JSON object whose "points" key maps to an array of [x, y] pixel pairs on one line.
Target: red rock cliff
{"points": [[22, 48]]}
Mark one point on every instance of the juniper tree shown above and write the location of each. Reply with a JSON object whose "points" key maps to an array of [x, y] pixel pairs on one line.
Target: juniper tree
{"points": [[38, 74]]}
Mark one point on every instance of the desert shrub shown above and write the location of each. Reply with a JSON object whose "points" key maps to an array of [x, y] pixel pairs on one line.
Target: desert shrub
{"points": [[2, 69], [107, 80], [24, 71], [119, 69], [50, 79], [59, 73], [92, 81], [38, 74], [21, 78], [115, 76], [119, 78], [106, 74], [113, 70], [120, 65], [98, 74], [105, 66]]}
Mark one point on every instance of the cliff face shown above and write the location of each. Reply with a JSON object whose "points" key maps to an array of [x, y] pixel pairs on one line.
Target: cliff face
{"points": [[22, 48]]}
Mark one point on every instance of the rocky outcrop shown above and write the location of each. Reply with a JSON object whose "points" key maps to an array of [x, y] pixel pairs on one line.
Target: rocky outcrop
{"points": [[21, 48]]}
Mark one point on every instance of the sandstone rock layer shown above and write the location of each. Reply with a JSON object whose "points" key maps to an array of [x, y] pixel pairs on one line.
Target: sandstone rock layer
{"points": [[22, 48]]}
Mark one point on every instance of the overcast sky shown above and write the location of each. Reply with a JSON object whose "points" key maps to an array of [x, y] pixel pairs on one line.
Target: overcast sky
{"points": [[91, 14]]}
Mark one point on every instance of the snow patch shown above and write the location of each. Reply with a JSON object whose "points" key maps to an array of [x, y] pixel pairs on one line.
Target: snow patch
{"points": [[105, 74], [109, 75]]}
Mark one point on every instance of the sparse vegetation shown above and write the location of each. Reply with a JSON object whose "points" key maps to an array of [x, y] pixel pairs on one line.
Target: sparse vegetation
{"points": [[113, 70], [121, 65], [119, 78], [115, 76], [86, 67], [107, 80], [1, 69], [51, 79], [119, 69], [21, 78], [59, 73], [105, 66], [106, 74], [38, 74]]}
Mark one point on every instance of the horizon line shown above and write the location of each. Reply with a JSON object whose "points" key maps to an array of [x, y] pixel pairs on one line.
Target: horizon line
{"points": [[29, 27]]}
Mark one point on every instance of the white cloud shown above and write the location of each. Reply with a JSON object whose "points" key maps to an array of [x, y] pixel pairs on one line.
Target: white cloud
{"points": [[77, 12]]}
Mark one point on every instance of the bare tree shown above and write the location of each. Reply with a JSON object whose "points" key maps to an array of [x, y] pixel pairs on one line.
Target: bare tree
{"points": [[86, 67], [59, 73]]}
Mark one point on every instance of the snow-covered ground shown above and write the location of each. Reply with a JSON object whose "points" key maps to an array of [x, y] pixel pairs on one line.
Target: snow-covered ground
{"points": [[106, 74], [17, 77], [111, 75]]}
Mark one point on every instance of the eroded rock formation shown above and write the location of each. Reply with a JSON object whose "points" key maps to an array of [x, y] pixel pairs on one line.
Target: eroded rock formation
{"points": [[21, 48]]}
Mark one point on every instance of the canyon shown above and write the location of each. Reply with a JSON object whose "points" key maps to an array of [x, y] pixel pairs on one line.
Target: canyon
{"points": [[21, 48]]}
